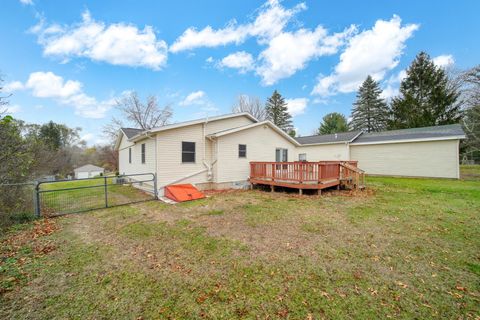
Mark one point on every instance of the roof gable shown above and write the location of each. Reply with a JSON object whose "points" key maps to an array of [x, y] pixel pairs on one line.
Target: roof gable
{"points": [[141, 134], [131, 132], [253, 125]]}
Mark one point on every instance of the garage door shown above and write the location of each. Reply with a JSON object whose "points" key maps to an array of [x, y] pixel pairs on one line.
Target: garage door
{"points": [[416, 159], [82, 175]]}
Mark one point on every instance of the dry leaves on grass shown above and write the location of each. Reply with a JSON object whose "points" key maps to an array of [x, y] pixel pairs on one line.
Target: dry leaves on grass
{"points": [[42, 228]]}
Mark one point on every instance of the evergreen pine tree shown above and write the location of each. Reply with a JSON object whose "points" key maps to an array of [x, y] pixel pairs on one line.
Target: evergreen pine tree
{"points": [[277, 112], [426, 97], [333, 123], [370, 112]]}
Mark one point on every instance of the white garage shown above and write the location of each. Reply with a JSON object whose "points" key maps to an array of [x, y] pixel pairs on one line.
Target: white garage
{"points": [[419, 152], [88, 171]]}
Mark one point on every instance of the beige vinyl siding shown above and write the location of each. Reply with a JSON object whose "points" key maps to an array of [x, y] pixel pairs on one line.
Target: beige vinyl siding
{"points": [[136, 166], [229, 123], [322, 152], [170, 166], [416, 159], [261, 143]]}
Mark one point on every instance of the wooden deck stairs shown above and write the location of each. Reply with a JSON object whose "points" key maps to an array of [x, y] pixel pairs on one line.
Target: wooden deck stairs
{"points": [[351, 176]]}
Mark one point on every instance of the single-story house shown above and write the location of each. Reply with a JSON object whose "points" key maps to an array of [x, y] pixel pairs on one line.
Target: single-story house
{"points": [[215, 152], [88, 171]]}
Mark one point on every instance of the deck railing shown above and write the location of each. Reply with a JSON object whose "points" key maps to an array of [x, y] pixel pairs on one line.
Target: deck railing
{"points": [[300, 172]]}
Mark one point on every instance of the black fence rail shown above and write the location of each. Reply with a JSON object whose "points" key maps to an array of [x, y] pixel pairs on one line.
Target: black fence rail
{"points": [[17, 203], [71, 196]]}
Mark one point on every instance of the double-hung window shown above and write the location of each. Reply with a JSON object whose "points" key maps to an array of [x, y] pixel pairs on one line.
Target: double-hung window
{"points": [[242, 150], [188, 152], [143, 152]]}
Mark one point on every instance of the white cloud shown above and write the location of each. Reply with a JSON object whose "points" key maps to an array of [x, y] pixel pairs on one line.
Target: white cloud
{"points": [[270, 21], [13, 86], [94, 139], [69, 92], [239, 60], [289, 52], [87, 137], [27, 2], [392, 85], [444, 61], [371, 52], [209, 60], [117, 44], [13, 109], [296, 106], [49, 85], [196, 97]]}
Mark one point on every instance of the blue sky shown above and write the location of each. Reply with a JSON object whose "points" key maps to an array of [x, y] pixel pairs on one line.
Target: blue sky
{"points": [[68, 61]]}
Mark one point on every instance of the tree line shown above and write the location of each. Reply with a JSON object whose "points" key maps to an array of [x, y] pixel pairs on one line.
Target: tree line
{"points": [[428, 96]]}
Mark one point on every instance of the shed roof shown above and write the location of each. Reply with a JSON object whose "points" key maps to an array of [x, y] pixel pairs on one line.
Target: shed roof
{"points": [[425, 133], [88, 168]]}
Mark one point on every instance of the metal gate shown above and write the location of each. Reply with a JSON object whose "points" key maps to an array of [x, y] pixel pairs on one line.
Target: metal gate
{"points": [[70, 196]]}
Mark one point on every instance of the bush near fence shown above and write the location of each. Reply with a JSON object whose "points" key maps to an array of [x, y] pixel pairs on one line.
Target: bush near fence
{"points": [[16, 203]]}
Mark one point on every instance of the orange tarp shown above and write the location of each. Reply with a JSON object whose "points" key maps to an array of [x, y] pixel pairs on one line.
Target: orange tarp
{"points": [[183, 192]]}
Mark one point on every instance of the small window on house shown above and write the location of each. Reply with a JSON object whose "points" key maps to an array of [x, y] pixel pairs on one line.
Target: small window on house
{"points": [[302, 157], [129, 155], [188, 152], [242, 150], [143, 152]]}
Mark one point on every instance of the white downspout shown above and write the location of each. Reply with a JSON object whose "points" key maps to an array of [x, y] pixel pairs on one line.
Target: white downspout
{"points": [[156, 154], [209, 167]]}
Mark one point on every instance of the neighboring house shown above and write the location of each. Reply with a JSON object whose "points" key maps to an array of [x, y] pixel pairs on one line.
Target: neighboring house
{"points": [[215, 152], [88, 171]]}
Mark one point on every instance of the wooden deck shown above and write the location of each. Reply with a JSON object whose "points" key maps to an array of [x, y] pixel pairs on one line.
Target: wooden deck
{"points": [[306, 175]]}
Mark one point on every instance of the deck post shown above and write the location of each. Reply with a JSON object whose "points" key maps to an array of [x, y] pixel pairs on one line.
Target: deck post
{"points": [[272, 188], [319, 192], [300, 191]]}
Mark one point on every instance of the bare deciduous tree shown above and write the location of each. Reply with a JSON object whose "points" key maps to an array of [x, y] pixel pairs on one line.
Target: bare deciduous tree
{"points": [[3, 99], [470, 88], [252, 105], [138, 115]]}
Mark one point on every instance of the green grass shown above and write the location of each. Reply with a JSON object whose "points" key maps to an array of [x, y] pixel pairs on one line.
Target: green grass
{"points": [[404, 248], [82, 195]]}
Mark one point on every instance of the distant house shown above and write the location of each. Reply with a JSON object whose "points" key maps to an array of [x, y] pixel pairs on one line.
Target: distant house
{"points": [[88, 171], [216, 152]]}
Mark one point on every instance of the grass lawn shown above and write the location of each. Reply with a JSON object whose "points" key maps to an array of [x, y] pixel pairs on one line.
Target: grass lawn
{"points": [[403, 248], [81, 195]]}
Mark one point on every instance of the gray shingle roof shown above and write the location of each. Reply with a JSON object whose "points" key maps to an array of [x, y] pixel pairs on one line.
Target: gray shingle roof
{"points": [[450, 130], [328, 138], [88, 168], [130, 132]]}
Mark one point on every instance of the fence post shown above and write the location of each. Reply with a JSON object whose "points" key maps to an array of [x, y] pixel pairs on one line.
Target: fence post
{"points": [[36, 200], [106, 192], [155, 186]]}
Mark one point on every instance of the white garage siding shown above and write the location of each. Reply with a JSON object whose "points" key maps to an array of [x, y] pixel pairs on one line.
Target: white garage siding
{"points": [[337, 151], [415, 159], [261, 143]]}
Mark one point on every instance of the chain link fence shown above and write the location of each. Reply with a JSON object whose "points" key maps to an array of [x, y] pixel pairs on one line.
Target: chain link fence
{"points": [[17, 203], [21, 202]]}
